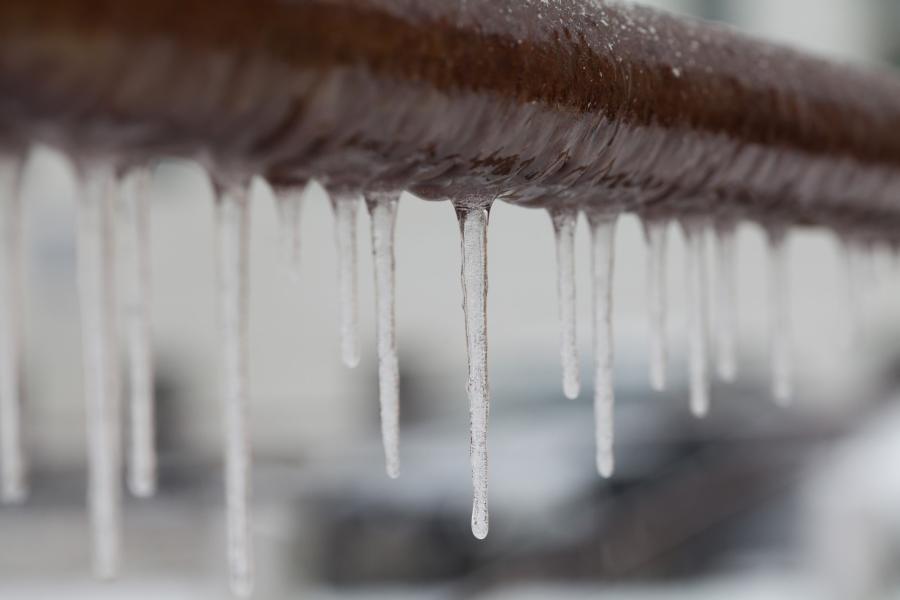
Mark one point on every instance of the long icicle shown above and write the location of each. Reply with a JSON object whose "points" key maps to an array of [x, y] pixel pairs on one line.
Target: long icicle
{"points": [[473, 225], [13, 464], [726, 300], [780, 318], [233, 232], [96, 261], [656, 234], [698, 326], [345, 209], [565, 222], [603, 230], [136, 255], [383, 215], [290, 217]]}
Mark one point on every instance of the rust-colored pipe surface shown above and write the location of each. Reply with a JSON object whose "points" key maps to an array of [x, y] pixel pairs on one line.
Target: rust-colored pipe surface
{"points": [[533, 101]]}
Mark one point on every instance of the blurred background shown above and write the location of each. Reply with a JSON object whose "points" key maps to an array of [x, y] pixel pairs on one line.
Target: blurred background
{"points": [[755, 502]]}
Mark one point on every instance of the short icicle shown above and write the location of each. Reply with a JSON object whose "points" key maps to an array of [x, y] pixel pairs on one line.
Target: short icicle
{"points": [[345, 208], [383, 215], [13, 464], [603, 238], [656, 234], [289, 202], [233, 232], [726, 300], [698, 325], [564, 224], [96, 269], [780, 318], [473, 222], [136, 258]]}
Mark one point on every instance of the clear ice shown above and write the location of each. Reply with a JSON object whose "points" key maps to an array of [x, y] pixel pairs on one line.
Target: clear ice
{"points": [[565, 222], [473, 226], [726, 300], [13, 466], [656, 234], [97, 199], [780, 318], [289, 203], [383, 215], [603, 237], [345, 210], [698, 325], [233, 232]]}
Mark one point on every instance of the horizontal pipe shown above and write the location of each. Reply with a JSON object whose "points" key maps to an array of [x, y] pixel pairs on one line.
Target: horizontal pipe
{"points": [[535, 102]]}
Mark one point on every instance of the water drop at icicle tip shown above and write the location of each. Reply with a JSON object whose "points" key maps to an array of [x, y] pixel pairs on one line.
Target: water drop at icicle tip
{"points": [[97, 196], [603, 238], [345, 207], [383, 216], [697, 322], [289, 204], [780, 316], [656, 236], [473, 221], [232, 214], [565, 222], [726, 300]]}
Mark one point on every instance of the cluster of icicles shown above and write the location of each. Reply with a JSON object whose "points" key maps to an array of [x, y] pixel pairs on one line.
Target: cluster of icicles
{"points": [[108, 196]]}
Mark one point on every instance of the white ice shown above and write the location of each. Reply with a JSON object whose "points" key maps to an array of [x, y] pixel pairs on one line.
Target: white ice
{"points": [[564, 225], [345, 210], [698, 326], [780, 318], [656, 234], [290, 217], [726, 301]]}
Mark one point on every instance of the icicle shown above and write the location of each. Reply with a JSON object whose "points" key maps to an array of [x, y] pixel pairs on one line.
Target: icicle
{"points": [[726, 301], [564, 225], [656, 234], [96, 262], [603, 230], [233, 231], [780, 319], [290, 213], [136, 257], [697, 317], [473, 225], [345, 209], [13, 468], [383, 214]]}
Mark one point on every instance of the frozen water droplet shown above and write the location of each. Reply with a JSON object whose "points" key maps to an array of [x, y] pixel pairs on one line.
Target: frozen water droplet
{"points": [[564, 225], [780, 319], [603, 237], [290, 217], [96, 268], [345, 208], [656, 234], [726, 300], [13, 467], [697, 316], [233, 231], [136, 257], [383, 214], [473, 225]]}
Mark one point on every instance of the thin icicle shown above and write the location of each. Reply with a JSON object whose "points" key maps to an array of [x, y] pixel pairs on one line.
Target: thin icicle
{"points": [[564, 225], [96, 261], [345, 208], [233, 232], [656, 234], [136, 258], [698, 326], [383, 214], [726, 300], [473, 226], [780, 318], [13, 466], [603, 230], [290, 213]]}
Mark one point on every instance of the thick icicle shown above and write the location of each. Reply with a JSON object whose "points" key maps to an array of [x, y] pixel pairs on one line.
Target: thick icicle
{"points": [[13, 468], [383, 214], [726, 300], [345, 208], [136, 258], [603, 236], [290, 213], [780, 318], [473, 225], [233, 232], [656, 234], [698, 324], [564, 225], [96, 261]]}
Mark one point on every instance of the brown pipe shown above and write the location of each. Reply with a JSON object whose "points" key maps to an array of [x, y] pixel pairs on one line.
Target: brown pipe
{"points": [[534, 101]]}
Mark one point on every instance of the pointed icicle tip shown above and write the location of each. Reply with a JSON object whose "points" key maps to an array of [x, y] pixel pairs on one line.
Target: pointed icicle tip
{"points": [[565, 222]]}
